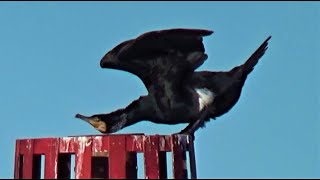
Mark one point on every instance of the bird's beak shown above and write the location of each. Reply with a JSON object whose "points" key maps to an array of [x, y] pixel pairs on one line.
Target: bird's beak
{"points": [[99, 125]]}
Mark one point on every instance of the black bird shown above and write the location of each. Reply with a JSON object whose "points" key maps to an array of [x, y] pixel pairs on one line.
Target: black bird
{"points": [[166, 61]]}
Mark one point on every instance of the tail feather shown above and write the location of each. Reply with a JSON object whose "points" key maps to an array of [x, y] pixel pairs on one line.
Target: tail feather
{"points": [[241, 72], [248, 66]]}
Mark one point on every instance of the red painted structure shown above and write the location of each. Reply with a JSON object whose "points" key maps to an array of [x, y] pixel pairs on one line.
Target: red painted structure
{"points": [[104, 156]]}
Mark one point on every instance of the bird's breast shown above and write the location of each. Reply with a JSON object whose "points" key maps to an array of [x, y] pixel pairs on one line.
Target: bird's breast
{"points": [[205, 97]]}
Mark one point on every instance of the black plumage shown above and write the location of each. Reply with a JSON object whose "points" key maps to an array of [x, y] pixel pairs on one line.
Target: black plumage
{"points": [[166, 61]]}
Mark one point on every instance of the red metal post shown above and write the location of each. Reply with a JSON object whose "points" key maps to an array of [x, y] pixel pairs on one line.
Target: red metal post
{"points": [[83, 158], [18, 162], [27, 151], [192, 158], [51, 159], [100, 155], [117, 157], [151, 157], [103, 156], [179, 157]]}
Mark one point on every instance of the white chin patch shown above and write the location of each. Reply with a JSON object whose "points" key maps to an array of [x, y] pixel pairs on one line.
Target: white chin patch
{"points": [[205, 97]]}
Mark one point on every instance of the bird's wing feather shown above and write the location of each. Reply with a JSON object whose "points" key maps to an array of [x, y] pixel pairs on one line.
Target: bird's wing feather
{"points": [[165, 41], [157, 56]]}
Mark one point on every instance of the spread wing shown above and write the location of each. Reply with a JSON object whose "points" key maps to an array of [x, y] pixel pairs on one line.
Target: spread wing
{"points": [[159, 57]]}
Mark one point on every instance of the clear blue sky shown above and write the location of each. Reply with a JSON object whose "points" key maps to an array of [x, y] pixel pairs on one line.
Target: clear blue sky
{"points": [[49, 71]]}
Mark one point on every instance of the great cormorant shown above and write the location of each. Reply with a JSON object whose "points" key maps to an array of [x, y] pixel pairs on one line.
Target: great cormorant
{"points": [[166, 61]]}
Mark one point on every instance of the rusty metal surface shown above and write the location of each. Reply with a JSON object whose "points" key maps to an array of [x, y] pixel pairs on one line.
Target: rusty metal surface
{"points": [[116, 152]]}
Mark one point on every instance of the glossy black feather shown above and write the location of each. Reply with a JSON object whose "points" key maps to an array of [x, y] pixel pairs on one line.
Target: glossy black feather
{"points": [[158, 55]]}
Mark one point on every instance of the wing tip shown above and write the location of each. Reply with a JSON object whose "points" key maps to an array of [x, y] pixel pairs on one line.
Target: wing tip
{"points": [[266, 41], [265, 44], [194, 31]]}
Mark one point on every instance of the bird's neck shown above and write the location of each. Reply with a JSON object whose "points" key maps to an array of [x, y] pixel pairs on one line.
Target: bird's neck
{"points": [[135, 112], [116, 120]]}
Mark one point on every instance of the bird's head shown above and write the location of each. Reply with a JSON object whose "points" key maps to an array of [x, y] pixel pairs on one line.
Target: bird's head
{"points": [[96, 122], [105, 123]]}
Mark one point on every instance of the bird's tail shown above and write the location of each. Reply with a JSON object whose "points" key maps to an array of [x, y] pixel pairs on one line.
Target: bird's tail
{"points": [[248, 66]]}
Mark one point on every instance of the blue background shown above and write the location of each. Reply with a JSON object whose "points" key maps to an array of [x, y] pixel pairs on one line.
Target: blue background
{"points": [[49, 71]]}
